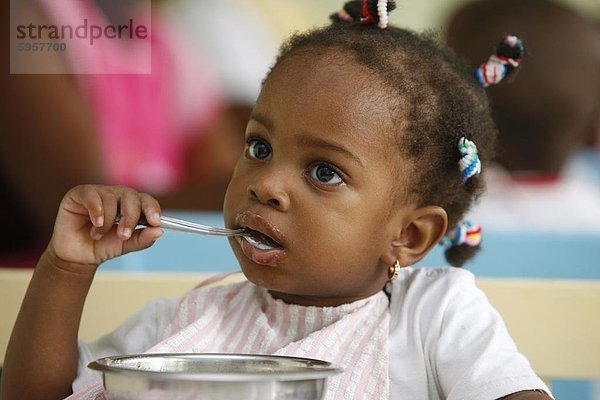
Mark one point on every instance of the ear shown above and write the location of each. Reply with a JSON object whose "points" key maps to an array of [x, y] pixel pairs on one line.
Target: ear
{"points": [[422, 229]]}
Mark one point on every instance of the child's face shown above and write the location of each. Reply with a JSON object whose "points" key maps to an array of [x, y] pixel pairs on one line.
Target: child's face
{"points": [[318, 176]]}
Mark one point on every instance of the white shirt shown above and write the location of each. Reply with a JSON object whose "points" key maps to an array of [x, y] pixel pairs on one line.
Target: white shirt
{"points": [[445, 340], [448, 342]]}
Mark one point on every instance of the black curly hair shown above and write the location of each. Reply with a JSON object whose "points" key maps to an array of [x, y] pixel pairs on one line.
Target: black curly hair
{"points": [[435, 96]]}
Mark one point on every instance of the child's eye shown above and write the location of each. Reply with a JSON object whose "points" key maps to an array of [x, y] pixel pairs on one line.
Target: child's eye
{"points": [[258, 149], [325, 174]]}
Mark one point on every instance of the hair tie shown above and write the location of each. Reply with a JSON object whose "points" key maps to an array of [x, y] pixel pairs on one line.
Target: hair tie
{"points": [[464, 233], [366, 18], [382, 13], [508, 57], [469, 163], [344, 16]]}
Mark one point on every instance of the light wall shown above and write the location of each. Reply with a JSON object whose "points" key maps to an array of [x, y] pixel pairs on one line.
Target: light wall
{"points": [[291, 15]]}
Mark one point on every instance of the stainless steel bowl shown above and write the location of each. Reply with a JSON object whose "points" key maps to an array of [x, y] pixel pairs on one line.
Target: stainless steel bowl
{"points": [[213, 377]]}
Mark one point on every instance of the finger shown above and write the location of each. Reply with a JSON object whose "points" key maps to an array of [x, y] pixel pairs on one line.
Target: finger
{"points": [[142, 239], [130, 208], [151, 209], [98, 233], [90, 199], [110, 204], [111, 208]]}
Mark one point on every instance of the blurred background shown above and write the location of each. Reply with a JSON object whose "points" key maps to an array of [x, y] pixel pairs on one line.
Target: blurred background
{"points": [[177, 132]]}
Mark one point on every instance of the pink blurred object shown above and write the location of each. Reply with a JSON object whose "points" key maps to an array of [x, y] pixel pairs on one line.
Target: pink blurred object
{"points": [[143, 120]]}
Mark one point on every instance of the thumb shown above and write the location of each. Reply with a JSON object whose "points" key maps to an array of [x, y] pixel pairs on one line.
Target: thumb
{"points": [[142, 239]]}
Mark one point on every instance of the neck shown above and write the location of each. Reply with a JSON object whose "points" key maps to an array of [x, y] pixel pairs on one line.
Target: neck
{"points": [[315, 301]]}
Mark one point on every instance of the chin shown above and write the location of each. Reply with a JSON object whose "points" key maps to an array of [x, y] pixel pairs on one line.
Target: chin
{"points": [[260, 275]]}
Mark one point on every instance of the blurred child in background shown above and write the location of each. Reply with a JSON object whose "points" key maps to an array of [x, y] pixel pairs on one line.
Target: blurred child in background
{"points": [[545, 116]]}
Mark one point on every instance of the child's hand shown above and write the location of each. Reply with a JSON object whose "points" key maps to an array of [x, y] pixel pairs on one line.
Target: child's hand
{"points": [[85, 232]]}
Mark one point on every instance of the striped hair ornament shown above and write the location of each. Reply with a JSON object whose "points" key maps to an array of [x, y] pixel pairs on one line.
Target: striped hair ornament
{"points": [[464, 233], [382, 13], [469, 163], [508, 56]]}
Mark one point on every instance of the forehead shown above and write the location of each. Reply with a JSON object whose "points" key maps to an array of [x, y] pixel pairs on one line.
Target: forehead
{"points": [[329, 92]]}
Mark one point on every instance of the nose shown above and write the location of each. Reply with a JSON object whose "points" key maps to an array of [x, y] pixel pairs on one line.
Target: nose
{"points": [[270, 190]]}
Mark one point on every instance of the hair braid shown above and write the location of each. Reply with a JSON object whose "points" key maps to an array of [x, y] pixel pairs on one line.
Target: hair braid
{"points": [[434, 97]]}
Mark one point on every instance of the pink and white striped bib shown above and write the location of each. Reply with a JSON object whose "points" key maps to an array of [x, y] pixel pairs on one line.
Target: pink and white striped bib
{"points": [[244, 318]]}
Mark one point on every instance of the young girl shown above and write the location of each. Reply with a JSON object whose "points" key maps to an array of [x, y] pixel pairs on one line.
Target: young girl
{"points": [[363, 148]]}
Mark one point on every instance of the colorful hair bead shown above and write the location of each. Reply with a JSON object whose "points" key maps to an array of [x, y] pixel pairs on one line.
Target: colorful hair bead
{"points": [[508, 57], [464, 233], [469, 163], [366, 17], [382, 13]]}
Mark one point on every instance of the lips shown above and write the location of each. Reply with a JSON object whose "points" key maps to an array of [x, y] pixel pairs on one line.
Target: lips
{"points": [[265, 243]]}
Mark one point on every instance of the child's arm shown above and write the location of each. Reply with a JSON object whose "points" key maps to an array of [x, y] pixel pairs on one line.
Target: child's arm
{"points": [[41, 359]]}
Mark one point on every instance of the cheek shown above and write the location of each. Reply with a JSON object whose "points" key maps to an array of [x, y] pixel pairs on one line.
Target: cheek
{"points": [[350, 235], [235, 191]]}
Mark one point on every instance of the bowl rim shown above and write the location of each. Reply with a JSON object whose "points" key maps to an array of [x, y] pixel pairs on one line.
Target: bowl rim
{"points": [[317, 369]]}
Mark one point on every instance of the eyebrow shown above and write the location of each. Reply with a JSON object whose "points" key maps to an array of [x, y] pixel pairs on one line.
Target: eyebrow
{"points": [[325, 144], [264, 121], [309, 140]]}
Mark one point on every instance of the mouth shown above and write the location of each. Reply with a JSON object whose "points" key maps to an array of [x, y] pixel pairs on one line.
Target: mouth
{"points": [[260, 240], [263, 243]]}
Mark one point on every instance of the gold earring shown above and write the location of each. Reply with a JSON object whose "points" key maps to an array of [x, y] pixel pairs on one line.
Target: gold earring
{"points": [[393, 270]]}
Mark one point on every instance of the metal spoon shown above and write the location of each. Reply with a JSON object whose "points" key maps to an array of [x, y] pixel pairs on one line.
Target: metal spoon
{"points": [[187, 226]]}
